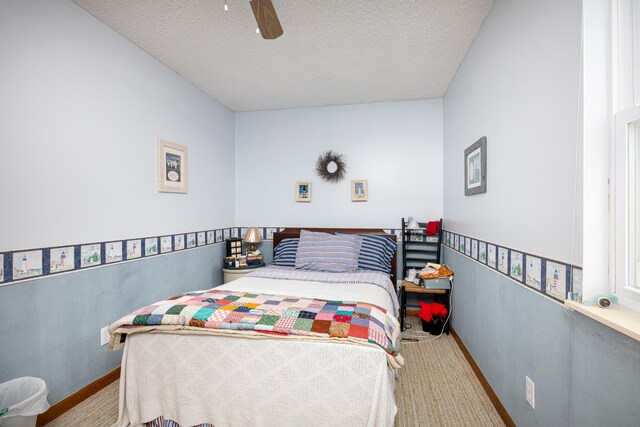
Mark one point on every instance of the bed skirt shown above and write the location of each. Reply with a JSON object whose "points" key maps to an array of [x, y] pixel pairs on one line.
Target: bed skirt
{"points": [[234, 381]]}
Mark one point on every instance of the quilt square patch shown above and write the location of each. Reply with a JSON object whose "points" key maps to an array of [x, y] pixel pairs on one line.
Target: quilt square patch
{"points": [[361, 315], [359, 321], [307, 315], [324, 316], [303, 324], [321, 326], [176, 309], [234, 317], [268, 319], [203, 313], [359, 331], [339, 318], [339, 329], [155, 319], [284, 324], [198, 323], [251, 305], [141, 319], [291, 312]]}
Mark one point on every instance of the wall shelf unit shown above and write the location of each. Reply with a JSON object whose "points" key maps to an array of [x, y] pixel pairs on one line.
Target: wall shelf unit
{"points": [[417, 248]]}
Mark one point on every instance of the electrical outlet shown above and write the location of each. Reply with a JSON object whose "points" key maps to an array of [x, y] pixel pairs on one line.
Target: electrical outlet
{"points": [[530, 392], [104, 336]]}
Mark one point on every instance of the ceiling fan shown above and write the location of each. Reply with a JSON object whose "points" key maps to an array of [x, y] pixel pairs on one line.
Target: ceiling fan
{"points": [[267, 19]]}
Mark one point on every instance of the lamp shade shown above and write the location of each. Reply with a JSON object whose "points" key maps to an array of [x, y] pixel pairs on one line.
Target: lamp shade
{"points": [[252, 236]]}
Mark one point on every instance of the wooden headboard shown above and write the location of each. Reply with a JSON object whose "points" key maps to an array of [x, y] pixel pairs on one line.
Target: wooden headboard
{"points": [[288, 233]]}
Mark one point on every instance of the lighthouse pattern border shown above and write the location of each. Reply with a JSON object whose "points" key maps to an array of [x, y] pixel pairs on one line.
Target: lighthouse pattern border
{"points": [[28, 264], [555, 279]]}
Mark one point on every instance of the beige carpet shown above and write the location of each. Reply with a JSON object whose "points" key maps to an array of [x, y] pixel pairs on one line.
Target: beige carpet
{"points": [[436, 388]]}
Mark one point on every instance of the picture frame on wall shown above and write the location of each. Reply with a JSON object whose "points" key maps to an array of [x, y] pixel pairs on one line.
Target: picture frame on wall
{"points": [[359, 190], [475, 168], [303, 191], [172, 167]]}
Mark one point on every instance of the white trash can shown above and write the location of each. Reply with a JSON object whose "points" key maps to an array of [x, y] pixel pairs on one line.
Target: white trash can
{"points": [[21, 400]]}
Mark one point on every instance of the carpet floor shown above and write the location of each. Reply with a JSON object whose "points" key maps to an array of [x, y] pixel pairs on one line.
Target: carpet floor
{"points": [[436, 387]]}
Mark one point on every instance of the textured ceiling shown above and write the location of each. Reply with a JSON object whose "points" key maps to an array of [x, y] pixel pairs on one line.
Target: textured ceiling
{"points": [[332, 51]]}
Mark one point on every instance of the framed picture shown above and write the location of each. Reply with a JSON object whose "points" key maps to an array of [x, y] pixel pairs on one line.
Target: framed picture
{"points": [[475, 168], [303, 191], [172, 167], [27, 264], [134, 249], [359, 190], [61, 259]]}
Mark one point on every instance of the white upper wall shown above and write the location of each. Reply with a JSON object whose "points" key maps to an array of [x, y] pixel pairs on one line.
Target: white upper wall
{"points": [[396, 146], [518, 85], [81, 109]]}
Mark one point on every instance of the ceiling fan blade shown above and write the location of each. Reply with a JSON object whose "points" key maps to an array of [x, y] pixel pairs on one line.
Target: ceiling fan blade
{"points": [[267, 19]]}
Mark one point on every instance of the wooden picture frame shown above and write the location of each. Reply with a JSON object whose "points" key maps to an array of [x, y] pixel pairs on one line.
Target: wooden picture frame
{"points": [[475, 168], [172, 167], [303, 191], [359, 190]]}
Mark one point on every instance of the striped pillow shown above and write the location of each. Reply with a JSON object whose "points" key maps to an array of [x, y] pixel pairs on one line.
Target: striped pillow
{"points": [[328, 252], [376, 253], [285, 253]]}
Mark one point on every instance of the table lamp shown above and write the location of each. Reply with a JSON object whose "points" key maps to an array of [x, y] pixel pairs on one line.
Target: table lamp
{"points": [[252, 237]]}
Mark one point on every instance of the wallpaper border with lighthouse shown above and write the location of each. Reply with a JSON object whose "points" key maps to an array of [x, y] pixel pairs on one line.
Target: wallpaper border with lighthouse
{"points": [[552, 278], [29, 264]]}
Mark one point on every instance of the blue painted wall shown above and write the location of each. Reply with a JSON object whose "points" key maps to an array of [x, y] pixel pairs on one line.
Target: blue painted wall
{"points": [[50, 327], [585, 373]]}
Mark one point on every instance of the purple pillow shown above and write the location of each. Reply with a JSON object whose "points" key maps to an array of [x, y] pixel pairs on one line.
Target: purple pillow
{"points": [[328, 252]]}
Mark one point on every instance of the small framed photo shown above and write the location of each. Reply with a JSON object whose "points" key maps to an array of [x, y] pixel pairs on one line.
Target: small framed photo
{"points": [[533, 272], [503, 260], [556, 280], [113, 252], [178, 242], [303, 191], [270, 231], [151, 246], [134, 249], [172, 167], [166, 244], [191, 240], [359, 190], [482, 252], [90, 255], [27, 264], [516, 266], [475, 168], [62, 259]]}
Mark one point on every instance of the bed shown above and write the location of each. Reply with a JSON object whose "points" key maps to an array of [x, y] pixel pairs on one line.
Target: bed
{"points": [[252, 379]]}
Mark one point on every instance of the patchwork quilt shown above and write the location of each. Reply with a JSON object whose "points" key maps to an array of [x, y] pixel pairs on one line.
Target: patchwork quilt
{"points": [[223, 311], [375, 278]]}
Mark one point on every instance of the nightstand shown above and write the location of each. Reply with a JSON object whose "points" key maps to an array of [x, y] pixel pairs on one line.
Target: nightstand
{"points": [[231, 274], [411, 288]]}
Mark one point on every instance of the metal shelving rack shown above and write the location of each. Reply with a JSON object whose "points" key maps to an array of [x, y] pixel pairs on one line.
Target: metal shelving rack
{"points": [[417, 248]]}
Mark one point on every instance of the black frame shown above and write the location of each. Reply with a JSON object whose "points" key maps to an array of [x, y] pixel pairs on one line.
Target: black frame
{"points": [[482, 144]]}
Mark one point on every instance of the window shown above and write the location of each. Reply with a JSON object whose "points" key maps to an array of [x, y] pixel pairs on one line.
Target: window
{"points": [[625, 200]]}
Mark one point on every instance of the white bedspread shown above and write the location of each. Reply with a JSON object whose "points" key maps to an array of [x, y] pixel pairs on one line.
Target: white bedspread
{"points": [[234, 381]]}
